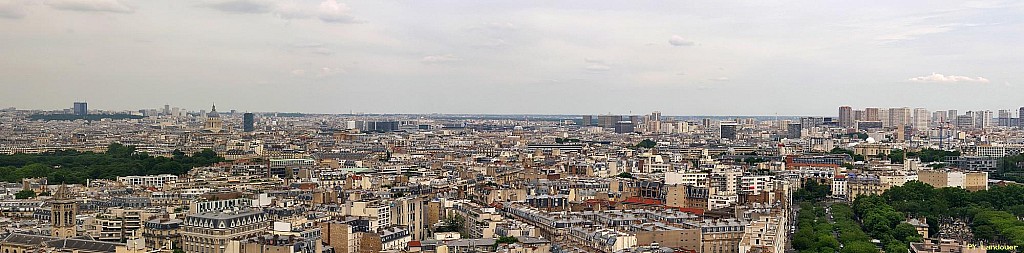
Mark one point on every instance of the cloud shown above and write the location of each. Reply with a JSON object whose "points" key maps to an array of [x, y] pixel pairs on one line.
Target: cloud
{"points": [[940, 78], [322, 72], [11, 10], [680, 42], [720, 79], [333, 12], [437, 59], [115, 6], [242, 6], [598, 68]]}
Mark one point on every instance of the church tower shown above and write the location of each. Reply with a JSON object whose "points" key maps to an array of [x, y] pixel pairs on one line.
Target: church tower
{"points": [[62, 214]]}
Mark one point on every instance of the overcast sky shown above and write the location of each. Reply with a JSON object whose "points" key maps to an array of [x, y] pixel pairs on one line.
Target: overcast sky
{"points": [[541, 57]]}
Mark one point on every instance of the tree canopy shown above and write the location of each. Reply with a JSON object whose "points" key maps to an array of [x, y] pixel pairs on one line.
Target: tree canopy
{"points": [[120, 160]]}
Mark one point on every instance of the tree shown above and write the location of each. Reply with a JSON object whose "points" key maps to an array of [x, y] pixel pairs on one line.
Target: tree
{"points": [[896, 246], [861, 247], [646, 143], [507, 240], [625, 175], [25, 194]]}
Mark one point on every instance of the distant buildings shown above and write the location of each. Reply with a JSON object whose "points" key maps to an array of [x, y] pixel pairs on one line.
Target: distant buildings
{"points": [[80, 108]]}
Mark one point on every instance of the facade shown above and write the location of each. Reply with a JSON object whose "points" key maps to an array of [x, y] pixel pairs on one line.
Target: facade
{"points": [[153, 181], [210, 232]]}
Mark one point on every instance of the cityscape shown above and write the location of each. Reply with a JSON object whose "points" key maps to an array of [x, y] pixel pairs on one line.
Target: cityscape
{"points": [[529, 126], [177, 180]]}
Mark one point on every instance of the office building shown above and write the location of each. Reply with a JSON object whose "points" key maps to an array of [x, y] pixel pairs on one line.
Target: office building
{"points": [[729, 130], [845, 116], [1004, 118], [81, 108], [983, 119], [624, 127], [793, 130], [248, 122]]}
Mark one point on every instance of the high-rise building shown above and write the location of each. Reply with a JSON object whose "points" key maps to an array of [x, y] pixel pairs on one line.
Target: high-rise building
{"points": [[939, 117], [859, 115], [921, 118], [986, 119], [729, 130], [902, 116], [248, 122], [81, 108], [1004, 118], [883, 116], [1020, 117], [845, 116], [871, 114], [656, 116], [793, 130], [951, 116], [62, 214], [588, 120], [167, 110], [624, 127], [608, 121]]}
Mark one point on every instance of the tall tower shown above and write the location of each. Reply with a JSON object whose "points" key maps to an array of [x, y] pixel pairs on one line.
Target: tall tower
{"points": [[845, 116], [62, 214]]}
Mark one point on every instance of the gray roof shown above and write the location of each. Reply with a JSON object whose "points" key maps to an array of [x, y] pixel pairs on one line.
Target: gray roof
{"points": [[26, 239], [84, 245]]}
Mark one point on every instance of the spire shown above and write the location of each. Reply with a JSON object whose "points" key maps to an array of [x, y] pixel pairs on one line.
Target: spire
{"points": [[62, 193], [214, 109]]}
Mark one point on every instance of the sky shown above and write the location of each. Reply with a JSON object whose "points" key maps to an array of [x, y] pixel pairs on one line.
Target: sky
{"points": [[513, 57]]}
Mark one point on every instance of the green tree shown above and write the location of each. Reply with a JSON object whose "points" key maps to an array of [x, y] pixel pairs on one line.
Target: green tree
{"points": [[25, 194], [646, 143], [625, 175], [507, 240]]}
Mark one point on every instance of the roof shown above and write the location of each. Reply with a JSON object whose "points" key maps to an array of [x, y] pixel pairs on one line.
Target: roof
{"points": [[26, 239], [84, 245]]}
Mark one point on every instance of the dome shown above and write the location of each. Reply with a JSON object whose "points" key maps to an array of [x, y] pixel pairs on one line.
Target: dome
{"points": [[871, 140]]}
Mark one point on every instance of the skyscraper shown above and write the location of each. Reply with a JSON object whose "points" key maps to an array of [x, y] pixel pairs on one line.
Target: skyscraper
{"points": [[921, 118], [1020, 117], [729, 130], [588, 120], [608, 121], [871, 114], [248, 122], [859, 115], [845, 116], [1004, 118], [81, 108]]}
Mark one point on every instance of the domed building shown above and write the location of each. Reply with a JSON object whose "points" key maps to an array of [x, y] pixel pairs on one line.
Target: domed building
{"points": [[213, 122]]}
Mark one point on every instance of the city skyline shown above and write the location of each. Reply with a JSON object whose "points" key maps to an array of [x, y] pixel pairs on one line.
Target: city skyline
{"points": [[688, 58]]}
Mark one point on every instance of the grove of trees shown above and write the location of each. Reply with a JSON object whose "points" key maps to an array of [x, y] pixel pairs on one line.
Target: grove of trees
{"points": [[75, 167]]}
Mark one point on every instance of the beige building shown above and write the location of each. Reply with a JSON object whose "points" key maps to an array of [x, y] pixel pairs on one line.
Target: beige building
{"points": [[62, 214], [210, 232], [970, 180]]}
